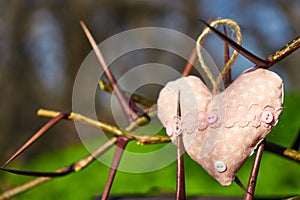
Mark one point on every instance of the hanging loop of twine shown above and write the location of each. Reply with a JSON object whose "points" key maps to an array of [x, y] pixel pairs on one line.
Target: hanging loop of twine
{"points": [[236, 29]]}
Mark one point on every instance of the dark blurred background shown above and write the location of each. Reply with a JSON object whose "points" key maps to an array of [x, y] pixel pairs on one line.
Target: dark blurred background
{"points": [[42, 46]]}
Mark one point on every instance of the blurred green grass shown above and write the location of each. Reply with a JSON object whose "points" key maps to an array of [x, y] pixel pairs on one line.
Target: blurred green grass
{"points": [[278, 177]]}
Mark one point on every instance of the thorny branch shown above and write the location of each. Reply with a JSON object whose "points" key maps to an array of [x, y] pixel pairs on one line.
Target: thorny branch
{"points": [[254, 172], [142, 138], [130, 109], [76, 167], [139, 137]]}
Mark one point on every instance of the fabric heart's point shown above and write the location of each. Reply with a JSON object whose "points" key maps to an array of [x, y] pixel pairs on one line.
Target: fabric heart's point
{"points": [[221, 131]]}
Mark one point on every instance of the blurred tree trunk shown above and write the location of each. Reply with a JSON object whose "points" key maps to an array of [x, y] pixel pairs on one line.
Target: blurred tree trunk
{"points": [[18, 100]]}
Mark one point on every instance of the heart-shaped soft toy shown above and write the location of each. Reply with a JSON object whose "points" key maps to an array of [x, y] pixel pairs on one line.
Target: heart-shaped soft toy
{"points": [[221, 131]]}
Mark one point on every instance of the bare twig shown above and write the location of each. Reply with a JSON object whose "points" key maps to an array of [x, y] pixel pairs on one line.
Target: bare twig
{"points": [[254, 173], [140, 138], [180, 185], [122, 142], [240, 184], [136, 98], [293, 198], [76, 167], [22, 188], [285, 51], [192, 58], [226, 59], [283, 151], [37, 135], [143, 139], [189, 64], [180, 181], [129, 112], [264, 63], [250, 56], [129, 107]]}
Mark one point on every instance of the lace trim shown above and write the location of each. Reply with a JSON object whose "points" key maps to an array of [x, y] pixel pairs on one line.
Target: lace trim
{"points": [[241, 116]]}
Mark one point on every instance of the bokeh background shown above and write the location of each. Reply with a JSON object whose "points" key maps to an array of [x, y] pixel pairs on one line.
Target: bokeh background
{"points": [[42, 46]]}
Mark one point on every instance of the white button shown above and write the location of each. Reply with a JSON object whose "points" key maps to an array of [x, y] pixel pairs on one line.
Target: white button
{"points": [[220, 166], [211, 118], [267, 117]]}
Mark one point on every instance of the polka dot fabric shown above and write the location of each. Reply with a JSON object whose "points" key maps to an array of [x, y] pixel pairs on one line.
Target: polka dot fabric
{"points": [[221, 131]]}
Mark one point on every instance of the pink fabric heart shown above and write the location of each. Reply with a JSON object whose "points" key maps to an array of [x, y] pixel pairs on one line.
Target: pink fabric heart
{"points": [[221, 131]]}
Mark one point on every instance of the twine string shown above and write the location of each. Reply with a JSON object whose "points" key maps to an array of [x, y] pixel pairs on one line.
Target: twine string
{"points": [[236, 30]]}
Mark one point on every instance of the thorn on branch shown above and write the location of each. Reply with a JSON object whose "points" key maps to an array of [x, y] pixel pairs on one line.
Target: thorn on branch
{"points": [[129, 108], [37, 135]]}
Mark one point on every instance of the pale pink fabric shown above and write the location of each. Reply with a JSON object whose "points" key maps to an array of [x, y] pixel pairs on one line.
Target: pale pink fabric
{"points": [[221, 131]]}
